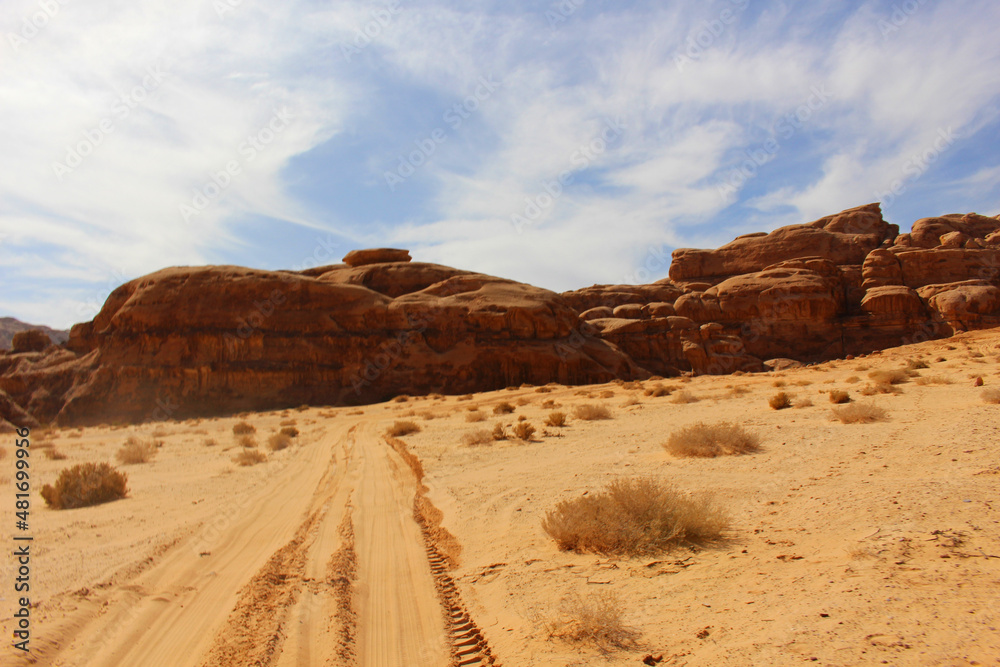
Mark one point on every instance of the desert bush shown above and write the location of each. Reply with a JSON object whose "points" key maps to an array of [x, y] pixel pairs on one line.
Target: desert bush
{"points": [[556, 419], [250, 457], [246, 441], [209, 442], [633, 517], [85, 484], [630, 401], [802, 383], [279, 441], [683, 397], [503, 408], [54, 454], [499, 432], [244, 428], [401, 428], [290, 431], [522, 418], [480, 437], [589, 412], [780, 401], [779, 383], [839, 396], [880, 388], [524, 431], [890, 376], [543, 390], [302, 408], [596, 619], [475, 416], [549, 404], [472, 407], [711, 440], [991, 396], [739, 390], [859, 413], [854, 379], [607, 393], [932, 379], [402, 398], [658, 390], [916, 364], [803, 403], [136, 451], [292, 422]]}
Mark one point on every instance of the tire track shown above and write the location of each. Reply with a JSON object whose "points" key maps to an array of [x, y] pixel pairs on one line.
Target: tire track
{"points": [[342, 573]]}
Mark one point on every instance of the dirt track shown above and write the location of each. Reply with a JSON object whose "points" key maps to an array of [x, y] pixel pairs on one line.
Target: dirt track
{"points": [[323, 563]]}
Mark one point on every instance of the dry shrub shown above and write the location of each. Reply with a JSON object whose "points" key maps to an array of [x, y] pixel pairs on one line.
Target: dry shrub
{"points": [[804, 403], [521, 418], [136, 451], [711, 440], [633, 517], [250, 457], [890, 376], [209, 442], [880, 388], [524, 431], [302, 408], [472, 407], [85, 484], [779, 383], [475, 416], [290, 431], [543, 390], [854, 379], [916, 364], [504, 408], [596, 619], [480, 437], [499, 432], [683, 397], [739, 390], [54, 454], [279, 441], [428, 416], [402, 428], [839, 396], [802, 383], [630, 401], [859, 413], [244, 428], [658, 390], [556, 419], [991, 396], [780, 401], [466, 397], [292, 422], [590, 412], [402, 398], [549, 404], [932, 379], [607, 393], [246, 441]]}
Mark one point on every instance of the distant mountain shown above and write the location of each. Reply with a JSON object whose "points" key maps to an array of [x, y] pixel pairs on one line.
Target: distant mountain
{"points": [[9, 326]]}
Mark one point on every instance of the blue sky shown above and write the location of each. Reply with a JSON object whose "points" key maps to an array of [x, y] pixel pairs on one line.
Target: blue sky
{"points": [[561, 144]]}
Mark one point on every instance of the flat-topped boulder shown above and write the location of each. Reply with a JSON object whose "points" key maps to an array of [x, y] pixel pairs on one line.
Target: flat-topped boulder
{"points": [[376, 256]]}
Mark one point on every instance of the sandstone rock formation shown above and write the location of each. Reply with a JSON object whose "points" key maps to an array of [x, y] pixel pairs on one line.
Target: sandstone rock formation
{"points": [[211, 340]]}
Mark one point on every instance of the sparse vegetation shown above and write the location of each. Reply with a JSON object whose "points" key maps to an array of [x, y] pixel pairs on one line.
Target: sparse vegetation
{"points": [[633, 517], [549, 404], [503, 408], [803, 403], [244, 428], [932, 379], [480, 437], [596, 619], [475, 416], [53, 454], [402, 398], [589, 412], [556, 419], [499, 432], [854, 379], [209, 442], [779, 383], [279, 441], [991, 396], [290, 431], [85, 484], [893, 376], [401, 428], [839, 396], [739, 390], [683, 397], [524, 431], [607, 393], [250, 457], [880, 388], [246, 441], [658, 390], [711, 440], [780, 401], [136, 451], [860, 413]]}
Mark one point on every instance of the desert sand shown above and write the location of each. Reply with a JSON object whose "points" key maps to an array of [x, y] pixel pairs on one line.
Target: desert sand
{"points": [[850, 544]]}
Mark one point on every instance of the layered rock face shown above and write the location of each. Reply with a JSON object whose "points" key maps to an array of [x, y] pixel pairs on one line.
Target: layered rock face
{"points": [[211, 340], [202, 341]]}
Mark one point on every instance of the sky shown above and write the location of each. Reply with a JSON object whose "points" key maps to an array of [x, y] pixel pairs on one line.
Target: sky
{"points": [[561, 144]]}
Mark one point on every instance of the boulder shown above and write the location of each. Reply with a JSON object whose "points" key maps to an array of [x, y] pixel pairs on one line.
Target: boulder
{"points": [[33, 340], [630, 311], [893, 301], [376, 256]]}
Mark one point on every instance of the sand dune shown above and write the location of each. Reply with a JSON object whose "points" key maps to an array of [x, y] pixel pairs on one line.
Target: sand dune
{"points": [[851, 544]]}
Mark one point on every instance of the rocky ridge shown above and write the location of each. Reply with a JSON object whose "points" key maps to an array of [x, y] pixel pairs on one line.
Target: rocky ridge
{"points": [[196, 341]]}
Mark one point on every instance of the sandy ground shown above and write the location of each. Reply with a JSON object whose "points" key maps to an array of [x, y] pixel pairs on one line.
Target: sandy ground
{"points": [[851, 544]]}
